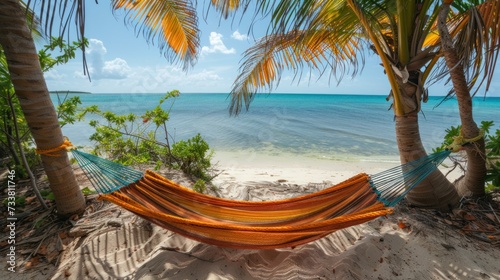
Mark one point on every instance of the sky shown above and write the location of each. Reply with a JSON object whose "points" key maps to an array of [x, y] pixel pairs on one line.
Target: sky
{"points": [[122, 62]]}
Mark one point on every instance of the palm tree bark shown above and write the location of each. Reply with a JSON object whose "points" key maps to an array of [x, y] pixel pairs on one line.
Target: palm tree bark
{"points": [[29, 84], [435, 191], [472, 183]]}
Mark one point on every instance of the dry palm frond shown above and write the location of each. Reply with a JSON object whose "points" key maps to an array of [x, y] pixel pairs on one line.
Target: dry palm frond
{"points": [[172, 23], [476, 34], [314, 49]]}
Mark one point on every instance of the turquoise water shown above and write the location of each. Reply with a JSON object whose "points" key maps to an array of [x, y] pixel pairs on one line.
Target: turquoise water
{"points": [[317, 125]]}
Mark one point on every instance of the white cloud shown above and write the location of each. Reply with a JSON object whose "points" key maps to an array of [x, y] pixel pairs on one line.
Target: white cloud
{"points": [[96, 47], [238, 36], [165, 78], [216, 45], [100, 68], [117, 76], [53, 74], [115, 69]]}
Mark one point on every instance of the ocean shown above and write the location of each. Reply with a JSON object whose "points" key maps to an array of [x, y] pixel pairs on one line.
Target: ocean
{"points": [[326, 126]]}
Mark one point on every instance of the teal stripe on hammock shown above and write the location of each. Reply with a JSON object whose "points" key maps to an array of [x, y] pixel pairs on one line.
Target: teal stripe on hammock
{"points": [[106, 176], [392, 185]]}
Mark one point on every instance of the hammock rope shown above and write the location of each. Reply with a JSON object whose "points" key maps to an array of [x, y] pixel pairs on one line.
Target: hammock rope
{"points": [[459, 141], [393, 184], [105, 176], [58, 151], [255, 224]]}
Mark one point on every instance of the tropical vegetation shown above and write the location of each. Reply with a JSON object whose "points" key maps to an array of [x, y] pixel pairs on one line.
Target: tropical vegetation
{"points": [[333, 37], [132, 139], [173, 24]]}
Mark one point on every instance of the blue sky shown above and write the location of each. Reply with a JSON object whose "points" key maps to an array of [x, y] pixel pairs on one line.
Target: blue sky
{"points": [[121, 62]]}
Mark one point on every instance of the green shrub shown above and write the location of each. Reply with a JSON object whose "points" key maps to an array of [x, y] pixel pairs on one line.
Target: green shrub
{"points": [[493, 161], [200, 186], [193, 156]]}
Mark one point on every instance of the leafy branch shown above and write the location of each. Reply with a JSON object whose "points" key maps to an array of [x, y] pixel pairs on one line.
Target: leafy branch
{"points": [[131, 139]]}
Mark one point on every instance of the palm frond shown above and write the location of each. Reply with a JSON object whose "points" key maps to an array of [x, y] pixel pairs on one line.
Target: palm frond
{"points": [[367, 21], [490, 12], [226, 7], [476, 34], [60, 17], [61, 13], [383, 50], [405, 12], [33, 23], [173, 24], [265, 62], [427, 14]]}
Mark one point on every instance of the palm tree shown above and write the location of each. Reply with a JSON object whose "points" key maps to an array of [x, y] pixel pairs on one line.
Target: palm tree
{"points": [[172, 23], [30, 87], [335, 35], [473, 181]]}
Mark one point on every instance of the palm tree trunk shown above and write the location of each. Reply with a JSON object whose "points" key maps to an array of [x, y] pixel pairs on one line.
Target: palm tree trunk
{"points": [[473, 181], [29, 84], [435, 191]]}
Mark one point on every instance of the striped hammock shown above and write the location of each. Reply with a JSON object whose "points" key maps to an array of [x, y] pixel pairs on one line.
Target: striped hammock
{"points": [[255, 225]]}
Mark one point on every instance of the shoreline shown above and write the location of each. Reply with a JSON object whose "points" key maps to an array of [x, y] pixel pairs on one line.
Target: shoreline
{"points": [[270, 166], [253, 166]]}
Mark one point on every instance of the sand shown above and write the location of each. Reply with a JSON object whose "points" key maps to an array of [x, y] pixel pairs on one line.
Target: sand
{"points": [[111, 243]]}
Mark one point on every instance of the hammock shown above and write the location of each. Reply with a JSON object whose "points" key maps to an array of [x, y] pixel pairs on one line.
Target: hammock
{"points": [[255, 225]]}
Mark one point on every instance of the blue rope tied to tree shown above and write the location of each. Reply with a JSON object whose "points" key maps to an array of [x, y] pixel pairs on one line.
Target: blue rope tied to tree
{"points": [[392, 185]]}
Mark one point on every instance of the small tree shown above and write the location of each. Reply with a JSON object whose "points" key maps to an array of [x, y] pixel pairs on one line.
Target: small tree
{"points": [[132, 139]]}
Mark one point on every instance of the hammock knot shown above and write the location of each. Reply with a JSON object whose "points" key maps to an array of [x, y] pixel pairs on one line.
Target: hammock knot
{"points": [[459, 141], [57, 151]]}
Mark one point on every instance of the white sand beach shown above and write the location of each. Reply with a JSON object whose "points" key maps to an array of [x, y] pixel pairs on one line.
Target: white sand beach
{"points": [[111, 243]]}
